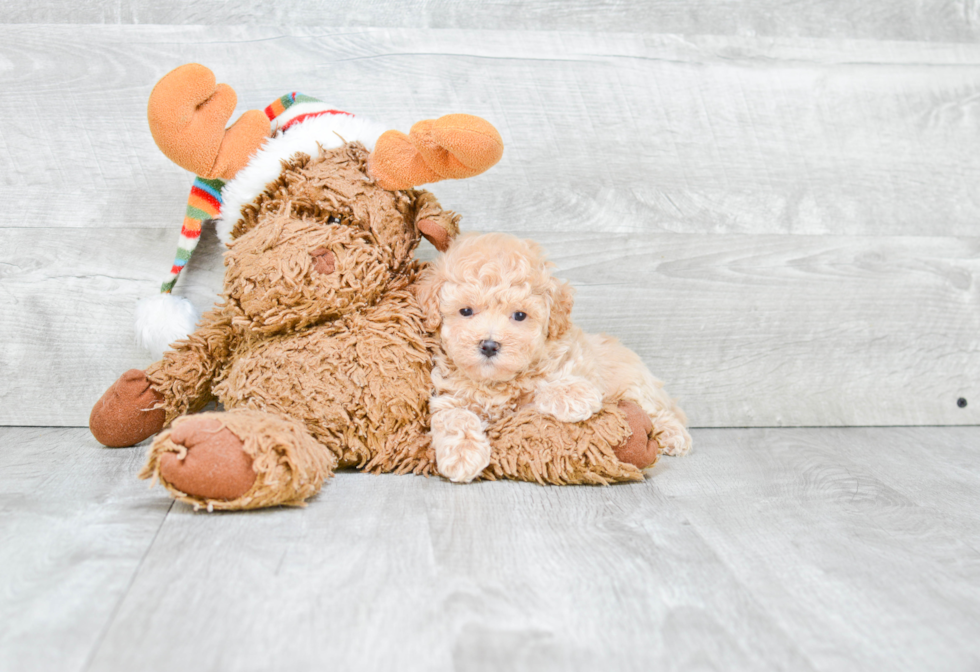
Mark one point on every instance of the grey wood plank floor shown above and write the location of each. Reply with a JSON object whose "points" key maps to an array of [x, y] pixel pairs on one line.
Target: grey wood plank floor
{"points": [[782, 549]]}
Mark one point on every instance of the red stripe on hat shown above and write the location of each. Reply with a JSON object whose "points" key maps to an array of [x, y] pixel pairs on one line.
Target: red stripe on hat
{"points": [[200, 193], [308, 115], [274, 109], [175, 269]]}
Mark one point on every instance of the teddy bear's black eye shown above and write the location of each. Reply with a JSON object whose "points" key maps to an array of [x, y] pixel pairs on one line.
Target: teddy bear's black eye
{"points": [[465, 312], [519, 316]]}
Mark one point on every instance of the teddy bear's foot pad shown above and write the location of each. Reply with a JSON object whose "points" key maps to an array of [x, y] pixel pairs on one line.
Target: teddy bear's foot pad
{"points": [[213, 464], [127, 413], [638, 450]]}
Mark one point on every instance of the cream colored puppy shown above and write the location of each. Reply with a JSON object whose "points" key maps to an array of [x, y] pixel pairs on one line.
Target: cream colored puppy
{"points": [[507, 341]]}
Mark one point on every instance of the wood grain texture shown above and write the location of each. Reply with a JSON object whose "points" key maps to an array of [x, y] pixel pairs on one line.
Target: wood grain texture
{"points": [[781, 549], [939, 20], [703, 134], [746, 330], [69, 298], [74, 526], [835, 532], [784, 228], [458, 578]]}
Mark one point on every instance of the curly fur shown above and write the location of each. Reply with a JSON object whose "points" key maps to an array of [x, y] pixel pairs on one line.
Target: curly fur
{"points": [[344, 354], [498, 289], [324, 370]]}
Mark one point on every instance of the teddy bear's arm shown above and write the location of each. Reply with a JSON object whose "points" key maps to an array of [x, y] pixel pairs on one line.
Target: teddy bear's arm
{"points": [[188, 370], [439, 226]]}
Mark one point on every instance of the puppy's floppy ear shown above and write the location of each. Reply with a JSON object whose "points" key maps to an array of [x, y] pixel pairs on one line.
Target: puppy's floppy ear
{"points": [[427, 291], [562, 299], [438, 226]]}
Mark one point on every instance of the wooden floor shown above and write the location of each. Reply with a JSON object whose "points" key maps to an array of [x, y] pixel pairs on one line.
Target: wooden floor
{"points": [[765, 549]]}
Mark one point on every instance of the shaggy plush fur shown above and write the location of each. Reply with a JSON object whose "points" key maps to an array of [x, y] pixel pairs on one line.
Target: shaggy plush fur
{"points": [[343, 352], [289, 464], [319, 350], [507, 342], [321, 355], [529, 446], [265, 166]]}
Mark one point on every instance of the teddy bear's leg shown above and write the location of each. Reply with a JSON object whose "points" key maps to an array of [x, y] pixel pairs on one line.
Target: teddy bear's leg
{"points": [[641, 449], [531, 446], [239, 459], [130, 411], [669, 422]]}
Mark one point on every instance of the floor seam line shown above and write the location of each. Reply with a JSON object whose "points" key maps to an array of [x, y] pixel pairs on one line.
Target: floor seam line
{"points": [[129, 586]]}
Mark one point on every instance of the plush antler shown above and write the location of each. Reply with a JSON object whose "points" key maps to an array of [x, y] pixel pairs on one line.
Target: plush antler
{"points": [[451, 147], [188, 111]]}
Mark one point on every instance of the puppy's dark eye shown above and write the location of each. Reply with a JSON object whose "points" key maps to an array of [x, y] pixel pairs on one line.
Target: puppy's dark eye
{"points": [[333, 220], [465, 312], [519, 316]]}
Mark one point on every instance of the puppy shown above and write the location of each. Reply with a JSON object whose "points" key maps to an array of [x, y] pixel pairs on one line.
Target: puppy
{"points": [[507, 340]]}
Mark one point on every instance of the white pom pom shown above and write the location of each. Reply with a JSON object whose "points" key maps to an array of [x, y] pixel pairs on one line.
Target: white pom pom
{"points": [[163, 319]]}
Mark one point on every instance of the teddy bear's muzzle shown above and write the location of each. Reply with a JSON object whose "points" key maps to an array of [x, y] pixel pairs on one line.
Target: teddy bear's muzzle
{"points": [[324, 261]]}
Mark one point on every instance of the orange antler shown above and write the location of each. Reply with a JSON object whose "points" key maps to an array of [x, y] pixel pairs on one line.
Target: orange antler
{"points": [[188, 111], [455, 146]]}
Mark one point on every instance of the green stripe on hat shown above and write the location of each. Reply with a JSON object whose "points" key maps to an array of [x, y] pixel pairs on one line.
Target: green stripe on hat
{"points": [[303, 98], [215, 184], [197, 213]]}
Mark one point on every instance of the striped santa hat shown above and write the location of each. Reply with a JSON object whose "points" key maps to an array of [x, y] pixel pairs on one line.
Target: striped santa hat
{"points": [[165, 318]]}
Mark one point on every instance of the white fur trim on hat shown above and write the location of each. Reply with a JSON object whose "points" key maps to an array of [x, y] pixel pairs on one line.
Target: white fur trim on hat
{"points": [[327, 131], [162, 320]]}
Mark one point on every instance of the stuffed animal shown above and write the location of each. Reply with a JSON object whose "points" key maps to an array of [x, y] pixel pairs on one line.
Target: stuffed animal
{"points": [[318, 349]]}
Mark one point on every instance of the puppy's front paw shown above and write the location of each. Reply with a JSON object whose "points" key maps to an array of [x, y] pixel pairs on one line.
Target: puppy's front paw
{"points": [[463, 460], [673, 437], [568, 401]]}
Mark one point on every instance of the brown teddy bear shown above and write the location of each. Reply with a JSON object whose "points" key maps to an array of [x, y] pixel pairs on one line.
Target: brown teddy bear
{"points": [[318, 350]]}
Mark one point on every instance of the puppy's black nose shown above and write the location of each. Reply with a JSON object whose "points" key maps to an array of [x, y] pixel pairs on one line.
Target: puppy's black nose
{"points": [[489, 348]]}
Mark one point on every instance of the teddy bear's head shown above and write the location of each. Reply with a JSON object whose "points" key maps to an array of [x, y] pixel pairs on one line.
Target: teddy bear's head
{"points": [[329, 231], [323, 241]]}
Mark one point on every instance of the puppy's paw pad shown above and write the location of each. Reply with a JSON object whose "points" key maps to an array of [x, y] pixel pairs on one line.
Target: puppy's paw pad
{"points": [[674, 440]]}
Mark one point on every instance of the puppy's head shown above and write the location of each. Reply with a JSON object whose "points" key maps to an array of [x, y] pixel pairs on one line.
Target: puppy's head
{"points": [[496, 305]]}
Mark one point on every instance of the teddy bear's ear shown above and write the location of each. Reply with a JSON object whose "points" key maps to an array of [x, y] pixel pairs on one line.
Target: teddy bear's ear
{"points": [[435, 233], [187, 112], [562, 299], [440, 227]]}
